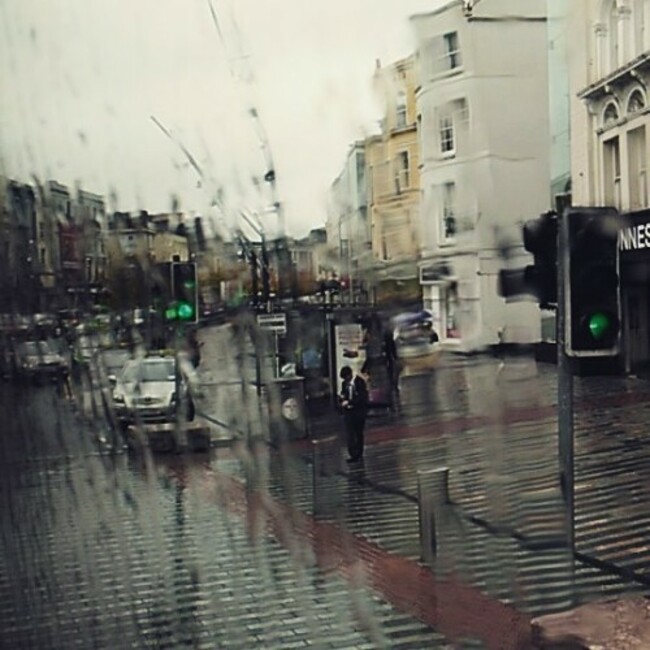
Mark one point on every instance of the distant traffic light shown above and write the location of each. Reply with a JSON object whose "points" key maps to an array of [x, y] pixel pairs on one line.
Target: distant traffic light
{"points": [[540, 239], [161, 287], [540, 278], [185, 293], [593, 312]]}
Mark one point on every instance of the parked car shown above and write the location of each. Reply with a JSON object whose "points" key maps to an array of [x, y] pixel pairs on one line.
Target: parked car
{"points": [[416, 341], [38, 360], [146, 391]]}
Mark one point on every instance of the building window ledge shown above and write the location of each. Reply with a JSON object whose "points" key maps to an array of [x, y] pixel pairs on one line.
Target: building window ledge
{"points": [[626, 74], [453, 72]]}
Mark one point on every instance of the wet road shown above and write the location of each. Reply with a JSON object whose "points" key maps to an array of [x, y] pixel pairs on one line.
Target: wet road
{"points": [[104, 549], [100, 549]]}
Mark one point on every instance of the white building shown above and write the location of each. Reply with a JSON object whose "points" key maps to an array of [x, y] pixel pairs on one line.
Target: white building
{"points": [[609, 74], [347, 220], [483, 113]]}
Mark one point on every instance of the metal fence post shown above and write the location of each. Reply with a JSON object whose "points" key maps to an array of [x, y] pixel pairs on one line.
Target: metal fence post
{"points": [[326, 456], [433, 493]]}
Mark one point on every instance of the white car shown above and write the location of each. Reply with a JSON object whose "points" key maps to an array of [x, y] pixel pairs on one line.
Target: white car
{"points": [[38, 360], [146, 391]]}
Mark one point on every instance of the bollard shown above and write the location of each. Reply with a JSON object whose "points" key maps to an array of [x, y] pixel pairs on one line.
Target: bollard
{"points": [[326, 456], [433, 492]]}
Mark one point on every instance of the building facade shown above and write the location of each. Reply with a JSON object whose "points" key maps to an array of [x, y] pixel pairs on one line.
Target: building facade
{"points": [[392, 160], [348, 226], [483, 117], [309, 260], [20, 266], [135, 244], [90, 217]]}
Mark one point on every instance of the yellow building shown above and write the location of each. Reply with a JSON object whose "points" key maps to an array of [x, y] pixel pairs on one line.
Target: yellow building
{"points": [[392, 160]]}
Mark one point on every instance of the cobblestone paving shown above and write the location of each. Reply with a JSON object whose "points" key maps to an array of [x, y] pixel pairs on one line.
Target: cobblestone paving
{"points": [[97, 552], [506, 532], [101, 552]]}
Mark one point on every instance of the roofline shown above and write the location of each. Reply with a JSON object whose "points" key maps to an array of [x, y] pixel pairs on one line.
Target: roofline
{"points": [[438, 11]]}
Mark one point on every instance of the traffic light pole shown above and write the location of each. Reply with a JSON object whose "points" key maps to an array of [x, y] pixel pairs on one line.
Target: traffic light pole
{"points": [[176, 332], [565, 391]]}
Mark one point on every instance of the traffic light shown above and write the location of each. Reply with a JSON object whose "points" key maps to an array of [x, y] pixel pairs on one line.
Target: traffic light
{"points": [[540, 239], [593, 312], [161, 287], [185, 293]]}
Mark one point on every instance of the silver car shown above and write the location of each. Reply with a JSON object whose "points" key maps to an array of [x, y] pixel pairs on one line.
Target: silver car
{"points": [[38, 359], [146, 391]]}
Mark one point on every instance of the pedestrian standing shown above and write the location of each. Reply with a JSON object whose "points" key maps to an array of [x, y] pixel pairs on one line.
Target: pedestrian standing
{"points": [[354, 402], [194, 348], [392, 361]]}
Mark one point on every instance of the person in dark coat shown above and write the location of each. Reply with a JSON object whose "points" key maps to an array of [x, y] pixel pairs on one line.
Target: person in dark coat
{"points": [[354, 403], [392, 363], [194, 348]]}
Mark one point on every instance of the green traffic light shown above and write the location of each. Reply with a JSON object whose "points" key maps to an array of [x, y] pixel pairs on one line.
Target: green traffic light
{"points": [[170, 313], [599, 324], [185, 311]]}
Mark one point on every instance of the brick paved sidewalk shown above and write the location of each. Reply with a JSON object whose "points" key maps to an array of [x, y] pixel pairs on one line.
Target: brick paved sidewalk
{"points": [[459, 611], [505, 534], [104, 552]]}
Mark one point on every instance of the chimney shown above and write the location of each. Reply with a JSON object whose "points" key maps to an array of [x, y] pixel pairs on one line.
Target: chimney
{"points": [[199, 233]]}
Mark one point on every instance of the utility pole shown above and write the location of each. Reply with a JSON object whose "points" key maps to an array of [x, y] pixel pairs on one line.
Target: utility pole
{"points": [[264, 265], [565, 389]]}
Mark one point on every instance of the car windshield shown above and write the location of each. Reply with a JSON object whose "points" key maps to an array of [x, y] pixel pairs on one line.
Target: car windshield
{"points": [[157, 370], [130, 373], [115, 359], [36, 348]]}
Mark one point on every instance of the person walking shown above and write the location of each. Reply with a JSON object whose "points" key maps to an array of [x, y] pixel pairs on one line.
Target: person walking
{"points": [[354, 402]]}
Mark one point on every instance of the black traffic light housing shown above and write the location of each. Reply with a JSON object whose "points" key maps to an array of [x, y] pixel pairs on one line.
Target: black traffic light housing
{"points": [[185, 293], [593, 306], [161, 287], [540, 239]]}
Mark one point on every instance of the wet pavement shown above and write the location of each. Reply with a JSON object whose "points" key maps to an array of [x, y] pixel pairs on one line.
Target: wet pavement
{"points": [[229, 549]]}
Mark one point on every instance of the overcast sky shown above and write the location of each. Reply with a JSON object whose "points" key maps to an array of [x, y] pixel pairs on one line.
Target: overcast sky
{"points": [[81, 79]]}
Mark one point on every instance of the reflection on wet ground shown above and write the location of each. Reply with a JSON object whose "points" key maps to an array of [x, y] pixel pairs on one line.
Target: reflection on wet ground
{"points": [[225, 548]]}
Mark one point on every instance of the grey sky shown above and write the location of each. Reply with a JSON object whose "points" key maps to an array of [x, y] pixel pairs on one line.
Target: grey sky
{"points": [[79, 80]]}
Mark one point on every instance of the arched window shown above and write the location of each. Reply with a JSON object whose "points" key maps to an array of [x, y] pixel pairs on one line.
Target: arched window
{"points": [[610, 114], [636, 102]]}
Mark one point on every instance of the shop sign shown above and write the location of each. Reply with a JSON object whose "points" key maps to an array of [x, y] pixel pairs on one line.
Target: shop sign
{"points": [[349, 346], [634, 236], [70, 247], [276, 323]]}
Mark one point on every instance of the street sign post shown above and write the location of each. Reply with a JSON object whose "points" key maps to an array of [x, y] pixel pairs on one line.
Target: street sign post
{"points": [[276, 323], [565, 391]]}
